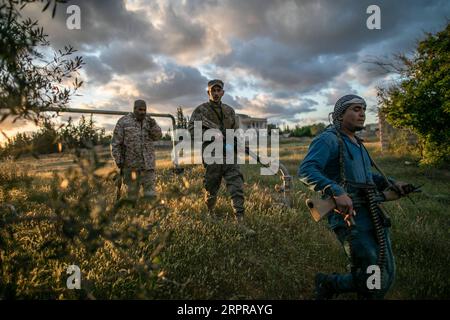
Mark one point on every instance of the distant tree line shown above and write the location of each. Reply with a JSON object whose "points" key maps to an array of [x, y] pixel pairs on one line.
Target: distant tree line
{"points": [[50, 138], [303, 131]]}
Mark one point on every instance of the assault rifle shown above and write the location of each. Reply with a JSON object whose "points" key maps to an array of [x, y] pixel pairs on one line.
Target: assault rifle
{"points": [[286, 178]]}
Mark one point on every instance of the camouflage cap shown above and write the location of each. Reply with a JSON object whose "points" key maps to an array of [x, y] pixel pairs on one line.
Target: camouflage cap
{"points": [[140, 103], [215, 82]]}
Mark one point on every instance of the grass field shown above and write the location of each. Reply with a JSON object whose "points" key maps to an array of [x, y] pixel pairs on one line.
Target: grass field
{"points": [[60, 210]]}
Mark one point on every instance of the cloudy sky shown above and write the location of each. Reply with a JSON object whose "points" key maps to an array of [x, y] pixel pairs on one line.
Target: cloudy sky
{"points": [[285, 60]]}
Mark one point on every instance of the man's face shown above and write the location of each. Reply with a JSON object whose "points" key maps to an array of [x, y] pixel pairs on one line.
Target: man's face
{"points": [[140, 112], [354, 117], [216, 93]]}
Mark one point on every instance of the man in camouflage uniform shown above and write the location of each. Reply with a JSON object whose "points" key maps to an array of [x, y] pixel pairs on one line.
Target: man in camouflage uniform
{"points": [[218, 115], [133, 151]]}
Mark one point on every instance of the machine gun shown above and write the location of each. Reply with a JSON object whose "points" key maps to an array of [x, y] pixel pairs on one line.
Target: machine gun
{"points": [[321, 208]]}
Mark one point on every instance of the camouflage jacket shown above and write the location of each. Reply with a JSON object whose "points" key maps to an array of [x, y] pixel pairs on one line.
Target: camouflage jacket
{"points": [[132, 142], [212, 115]]}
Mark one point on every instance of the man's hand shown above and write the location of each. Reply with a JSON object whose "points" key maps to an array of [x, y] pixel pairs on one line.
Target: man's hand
{"points": [[402, 188], [344, 204]]}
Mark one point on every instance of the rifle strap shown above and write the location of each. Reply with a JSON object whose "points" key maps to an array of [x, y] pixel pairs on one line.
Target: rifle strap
{"points": [[377, 167], [341, 160]]}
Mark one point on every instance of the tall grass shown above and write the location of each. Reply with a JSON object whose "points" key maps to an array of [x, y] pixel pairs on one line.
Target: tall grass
{"points": [[171, 249]]}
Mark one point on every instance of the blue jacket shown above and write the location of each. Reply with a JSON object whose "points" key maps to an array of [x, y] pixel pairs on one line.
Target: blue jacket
{"points": [[320, 170]]}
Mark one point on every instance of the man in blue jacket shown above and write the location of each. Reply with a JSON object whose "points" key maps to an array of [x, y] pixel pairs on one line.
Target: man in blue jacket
{"points": [[338, 165]]}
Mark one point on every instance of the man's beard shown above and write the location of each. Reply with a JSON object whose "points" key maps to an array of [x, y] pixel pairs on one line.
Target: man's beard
{"points": [[358, 128]]}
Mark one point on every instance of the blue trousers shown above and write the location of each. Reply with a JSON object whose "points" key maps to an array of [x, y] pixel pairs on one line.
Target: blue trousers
{"points": [[361, 248]]}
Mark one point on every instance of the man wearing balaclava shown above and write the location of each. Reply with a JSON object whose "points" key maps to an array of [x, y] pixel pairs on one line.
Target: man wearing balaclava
{"points": [[133, 151], [338, 165]]}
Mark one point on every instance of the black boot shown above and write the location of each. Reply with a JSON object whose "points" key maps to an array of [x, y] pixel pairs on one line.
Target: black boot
{"points": [[211, 204], [324, 287]]}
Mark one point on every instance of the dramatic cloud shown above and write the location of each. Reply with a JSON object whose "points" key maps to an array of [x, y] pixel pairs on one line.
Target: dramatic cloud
{"points": [[282, 67], [284, 60], [102, 21], [125, 58], [267, 106], [97, 71], [174, 83]]}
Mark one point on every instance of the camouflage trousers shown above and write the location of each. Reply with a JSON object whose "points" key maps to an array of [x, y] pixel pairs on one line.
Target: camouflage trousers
{"points": [[234, 183], [135, 178]]}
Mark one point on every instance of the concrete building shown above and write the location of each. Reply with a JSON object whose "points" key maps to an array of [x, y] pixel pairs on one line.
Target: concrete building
{"points": [[247, 122], [388, 133], [370, 131]]}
